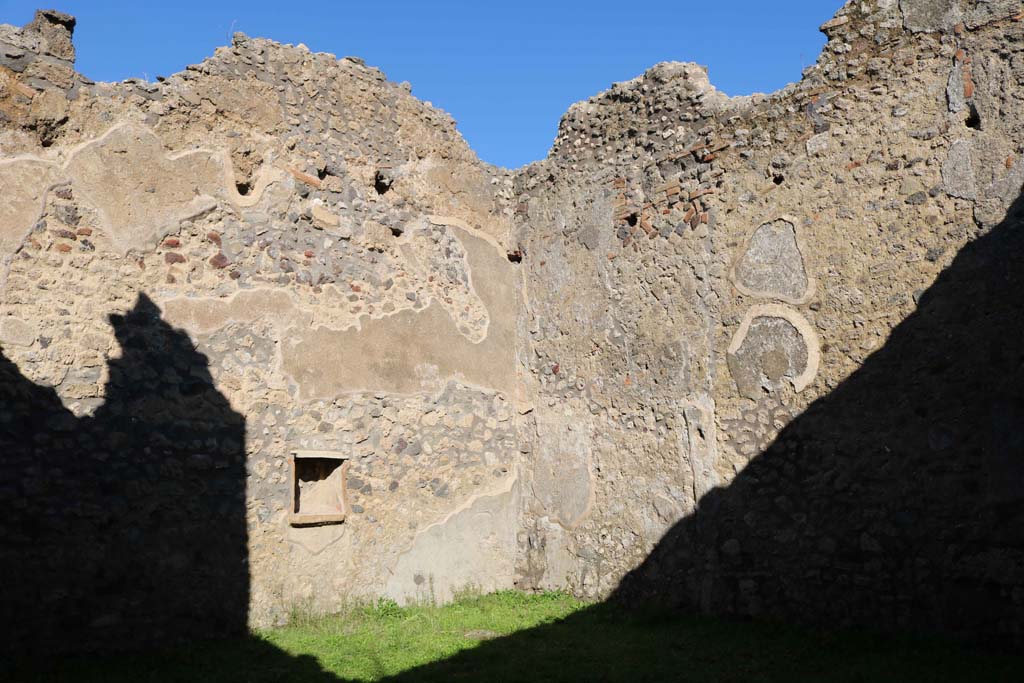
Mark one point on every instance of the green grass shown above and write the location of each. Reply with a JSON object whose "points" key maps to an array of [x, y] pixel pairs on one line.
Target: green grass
{"points": [[512, 636]]}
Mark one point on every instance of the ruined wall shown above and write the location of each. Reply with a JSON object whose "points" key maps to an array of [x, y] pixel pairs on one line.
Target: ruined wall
{"points": [[333, 251], [714, 287], [543, 378]]}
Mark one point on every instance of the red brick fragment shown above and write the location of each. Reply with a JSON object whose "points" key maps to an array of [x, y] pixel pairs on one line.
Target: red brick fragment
{"points": [[63, 248], [172, 242], [968, 85], [214, 237], [173, 257], [219, 260], [304, 177], [86, 232]]}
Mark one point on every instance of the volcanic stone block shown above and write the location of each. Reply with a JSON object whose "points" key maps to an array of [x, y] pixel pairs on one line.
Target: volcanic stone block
{"points": [[773, 345], [772, 265]]}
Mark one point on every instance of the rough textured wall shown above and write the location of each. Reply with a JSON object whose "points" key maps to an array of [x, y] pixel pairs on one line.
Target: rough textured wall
{"points": [[770, 334], [332, 254], [755, 349]]}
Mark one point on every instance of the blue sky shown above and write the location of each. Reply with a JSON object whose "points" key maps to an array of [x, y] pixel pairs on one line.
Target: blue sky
{"points": [[506, 71]]}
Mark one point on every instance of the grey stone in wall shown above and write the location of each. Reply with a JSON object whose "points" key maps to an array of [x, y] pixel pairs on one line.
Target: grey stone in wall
{"points": [[771, 352], [772, 265]]}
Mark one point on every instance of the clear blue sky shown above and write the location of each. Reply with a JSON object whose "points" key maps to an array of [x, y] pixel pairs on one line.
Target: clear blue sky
{"points": [[506, 71]]}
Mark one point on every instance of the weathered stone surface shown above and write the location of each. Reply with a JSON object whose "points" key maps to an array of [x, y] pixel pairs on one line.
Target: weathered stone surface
{"points": [[562, 481], [722, 352], [772, 265], [15, 332], [25, 182], [466, 550], [768, 351], [930, 15], [140, 209], [958, 178]]}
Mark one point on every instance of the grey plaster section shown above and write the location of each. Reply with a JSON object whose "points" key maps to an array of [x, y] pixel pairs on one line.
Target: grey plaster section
{"points": [[772, 265], [926, 16], [774, 345], [955, 96], [702, 445], [472, 548], [561, 476], [958, 171], [983, 11], [999, 195]]}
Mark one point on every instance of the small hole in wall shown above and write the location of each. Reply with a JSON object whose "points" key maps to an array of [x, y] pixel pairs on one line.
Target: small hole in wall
{"points": [[779, 179], [515, 256], [243, 188], [973, 118], [632, 219], [397, 232], [322, 173], [382, 182]]}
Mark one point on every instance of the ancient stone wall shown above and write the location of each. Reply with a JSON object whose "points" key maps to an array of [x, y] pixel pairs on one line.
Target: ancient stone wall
{"points": [[333, 253], [774, 328], [748, 353]]}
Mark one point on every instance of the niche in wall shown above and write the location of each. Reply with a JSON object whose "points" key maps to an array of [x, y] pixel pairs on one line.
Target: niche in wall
{"points": [[318, 488]]}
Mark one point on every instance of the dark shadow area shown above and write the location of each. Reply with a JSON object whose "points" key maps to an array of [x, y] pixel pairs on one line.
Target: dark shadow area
{"points": [[124, 529], [895, 504], [601, 643], [608, 642]]}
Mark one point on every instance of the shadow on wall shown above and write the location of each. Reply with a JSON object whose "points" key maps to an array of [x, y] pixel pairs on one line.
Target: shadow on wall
{"points": [[896, 502], [126, 528]]}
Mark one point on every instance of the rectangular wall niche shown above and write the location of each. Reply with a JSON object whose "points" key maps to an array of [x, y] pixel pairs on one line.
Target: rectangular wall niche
{"points": [[318, 488]]}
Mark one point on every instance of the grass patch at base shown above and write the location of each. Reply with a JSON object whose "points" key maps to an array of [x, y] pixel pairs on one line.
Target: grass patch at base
{"points": [[510, 636]]}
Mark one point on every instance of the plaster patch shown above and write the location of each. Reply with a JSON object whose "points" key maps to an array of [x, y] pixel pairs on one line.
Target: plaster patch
{"points": [[16, 332], [202, 315], [141, 192], [24, 183], [958, 171], [473, 547], [772, 265], [396, 353], [562, 478], [773, 344]]}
